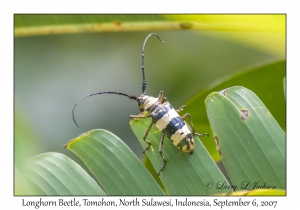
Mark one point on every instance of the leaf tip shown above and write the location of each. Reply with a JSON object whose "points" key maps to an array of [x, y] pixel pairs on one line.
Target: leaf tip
{"points": [[209, 97], [67, 145], [223, 92]]}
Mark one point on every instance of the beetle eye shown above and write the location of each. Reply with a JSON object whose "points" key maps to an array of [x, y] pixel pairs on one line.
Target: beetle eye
{"points": [[139, 101]]}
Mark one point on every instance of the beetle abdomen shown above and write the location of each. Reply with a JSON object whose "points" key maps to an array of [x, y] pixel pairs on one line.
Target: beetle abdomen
{"points": [[167, 120]]}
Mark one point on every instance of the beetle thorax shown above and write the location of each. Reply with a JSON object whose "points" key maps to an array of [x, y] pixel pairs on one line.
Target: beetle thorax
{"points": [[146, 102]]}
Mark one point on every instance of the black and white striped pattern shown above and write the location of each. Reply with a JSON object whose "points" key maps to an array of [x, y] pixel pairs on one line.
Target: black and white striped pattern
{"points": [[167, 120]]}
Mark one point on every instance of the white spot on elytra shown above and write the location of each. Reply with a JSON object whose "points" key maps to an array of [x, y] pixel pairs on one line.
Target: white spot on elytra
{"points": [[164, 121], [180, 134]]}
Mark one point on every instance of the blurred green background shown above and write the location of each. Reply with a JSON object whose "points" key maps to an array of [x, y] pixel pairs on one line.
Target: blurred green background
{"points": [[53, 71]]}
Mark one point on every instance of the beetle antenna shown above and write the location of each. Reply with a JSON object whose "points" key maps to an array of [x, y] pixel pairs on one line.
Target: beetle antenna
{"points": [[98, 93], [144, 80]]}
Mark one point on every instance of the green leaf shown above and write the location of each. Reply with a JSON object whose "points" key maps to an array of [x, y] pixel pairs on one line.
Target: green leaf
{"points": [[256, 79], [26, 24], [56, 174], [250, 140], [26, 144], [150, 168], [183, 174], [284, 87], [267, 192], [114, 165]]}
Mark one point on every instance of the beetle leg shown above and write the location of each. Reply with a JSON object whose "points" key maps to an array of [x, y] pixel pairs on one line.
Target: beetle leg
{"points": [[139, 116], [145, 136], [192, 126], [160, 152], [164, 99], [181, 108], [160, 95]]}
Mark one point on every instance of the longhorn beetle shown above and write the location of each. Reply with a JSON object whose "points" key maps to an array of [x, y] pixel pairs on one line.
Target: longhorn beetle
{"points": [[163, 115]]}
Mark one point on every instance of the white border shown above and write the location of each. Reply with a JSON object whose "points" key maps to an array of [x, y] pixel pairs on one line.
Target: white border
{"points": [[8, 8]]}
